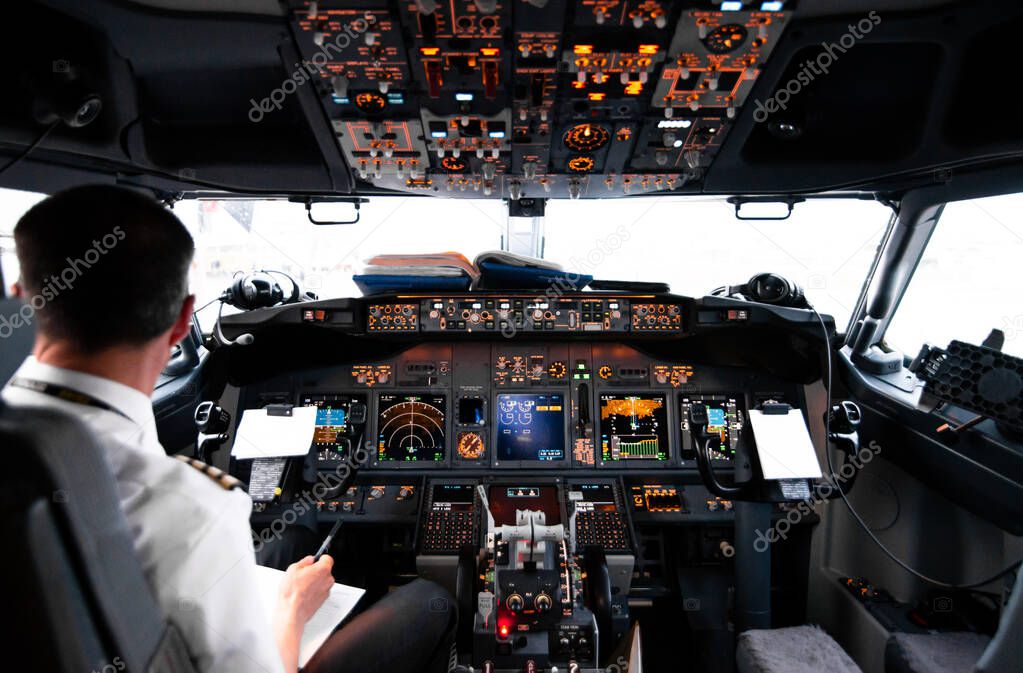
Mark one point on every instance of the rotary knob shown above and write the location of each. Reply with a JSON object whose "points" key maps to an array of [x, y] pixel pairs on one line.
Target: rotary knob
{"points": [[543, 602], [515, 603]]}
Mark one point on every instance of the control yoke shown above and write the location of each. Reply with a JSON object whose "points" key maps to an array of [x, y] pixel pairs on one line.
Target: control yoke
{"points": [[843, 421], [347, 472], [698, 424], [212, 422]]}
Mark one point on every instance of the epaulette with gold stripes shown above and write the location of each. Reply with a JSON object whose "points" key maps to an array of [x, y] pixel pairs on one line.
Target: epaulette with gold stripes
{"points": [[223, 479]]}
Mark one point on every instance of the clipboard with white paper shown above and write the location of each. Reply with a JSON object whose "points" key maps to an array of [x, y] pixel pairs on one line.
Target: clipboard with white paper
{"points": [[784, 445], [261, 434]]}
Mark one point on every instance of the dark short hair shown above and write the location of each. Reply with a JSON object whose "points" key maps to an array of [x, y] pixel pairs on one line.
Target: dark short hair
{"points": [[103, 266]]}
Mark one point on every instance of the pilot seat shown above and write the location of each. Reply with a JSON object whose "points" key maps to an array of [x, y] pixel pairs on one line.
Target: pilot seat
{"points": [[69, 566]]}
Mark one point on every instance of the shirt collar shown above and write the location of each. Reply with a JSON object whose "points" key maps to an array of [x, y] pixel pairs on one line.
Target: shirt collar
{"points": [[129, 401]]}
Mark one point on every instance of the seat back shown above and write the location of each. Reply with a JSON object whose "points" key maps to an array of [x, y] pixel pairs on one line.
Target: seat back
{"points": [[79, 598]]}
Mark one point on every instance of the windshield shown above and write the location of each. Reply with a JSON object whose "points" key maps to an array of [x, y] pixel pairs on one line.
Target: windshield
{"points": [[694, 245]]}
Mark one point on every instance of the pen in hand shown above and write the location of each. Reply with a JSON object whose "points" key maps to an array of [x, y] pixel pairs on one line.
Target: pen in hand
{"points": [[326, 542]]}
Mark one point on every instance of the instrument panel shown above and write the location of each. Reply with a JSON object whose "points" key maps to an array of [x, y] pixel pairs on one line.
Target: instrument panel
{"points": [[543, 406]]}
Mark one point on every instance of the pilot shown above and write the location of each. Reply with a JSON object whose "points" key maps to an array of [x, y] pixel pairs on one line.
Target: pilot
{"points": [[105, 272]]}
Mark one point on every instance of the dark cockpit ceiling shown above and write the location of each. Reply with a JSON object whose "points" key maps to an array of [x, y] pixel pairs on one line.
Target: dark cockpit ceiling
{"points": [[510, 99]]}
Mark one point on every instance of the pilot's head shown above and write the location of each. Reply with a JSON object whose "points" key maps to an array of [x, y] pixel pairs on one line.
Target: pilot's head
{"points": [[104, 268]]}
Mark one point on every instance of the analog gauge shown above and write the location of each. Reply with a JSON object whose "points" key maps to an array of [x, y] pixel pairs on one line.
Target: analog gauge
{"points": [[557, 370], [582, 164], [411, 428], [453, 164], [586, 137], [370, 102], [725, 39], [605, 372], [470, 446]]}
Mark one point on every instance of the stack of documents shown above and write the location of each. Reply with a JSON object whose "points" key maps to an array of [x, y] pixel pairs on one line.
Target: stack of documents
{"points": [[451, 271], [444, 271]]}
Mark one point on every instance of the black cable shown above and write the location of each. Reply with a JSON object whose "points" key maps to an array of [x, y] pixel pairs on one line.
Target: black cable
{"points": [[35, 144], [207, 304], [855, 514]]}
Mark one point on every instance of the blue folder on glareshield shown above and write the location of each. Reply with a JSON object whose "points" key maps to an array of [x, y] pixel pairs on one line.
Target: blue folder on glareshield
{"points": [[386, 283], [499, 276]]}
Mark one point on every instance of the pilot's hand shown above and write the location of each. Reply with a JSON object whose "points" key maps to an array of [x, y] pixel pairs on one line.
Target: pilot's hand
{"points": [[305, 587]]}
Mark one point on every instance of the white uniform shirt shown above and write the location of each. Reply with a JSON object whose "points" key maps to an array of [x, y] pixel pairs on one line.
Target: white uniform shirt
{"points": [[191, 536]]}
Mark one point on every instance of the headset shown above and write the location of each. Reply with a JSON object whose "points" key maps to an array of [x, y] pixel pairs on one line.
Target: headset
{"points": [[766, 288], [258, 289]]}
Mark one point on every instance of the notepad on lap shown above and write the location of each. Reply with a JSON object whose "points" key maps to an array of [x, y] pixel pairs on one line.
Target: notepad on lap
{"points": [[339, 603]]}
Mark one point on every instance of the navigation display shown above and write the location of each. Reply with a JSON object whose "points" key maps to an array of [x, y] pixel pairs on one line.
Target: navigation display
{"points": [[633, 427], [530, 427], [334, 420], [410, 428]]}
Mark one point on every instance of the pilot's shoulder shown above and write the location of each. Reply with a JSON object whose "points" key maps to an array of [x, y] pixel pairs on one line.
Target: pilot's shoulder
{"points": [[185, 487], [215, 474]]}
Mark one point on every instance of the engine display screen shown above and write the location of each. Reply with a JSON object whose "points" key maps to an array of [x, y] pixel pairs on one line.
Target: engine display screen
{"points": [[633, 427], [332, 436], [410, 428], [530, 427]]}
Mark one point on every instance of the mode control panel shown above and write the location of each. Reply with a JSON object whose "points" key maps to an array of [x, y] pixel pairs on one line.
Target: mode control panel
{"points": [[509, 315], [538, 313], [393, 318]]}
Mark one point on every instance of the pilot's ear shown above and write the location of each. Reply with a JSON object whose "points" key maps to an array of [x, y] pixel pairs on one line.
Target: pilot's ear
{"points": [[184, 322], [16, 290]]}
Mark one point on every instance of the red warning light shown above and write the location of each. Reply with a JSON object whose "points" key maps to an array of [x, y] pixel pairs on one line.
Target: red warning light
{"points": [[502, 629]]}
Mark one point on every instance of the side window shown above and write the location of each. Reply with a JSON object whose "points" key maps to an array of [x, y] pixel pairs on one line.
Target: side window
{"points": [[969, 279], [13, 204]]}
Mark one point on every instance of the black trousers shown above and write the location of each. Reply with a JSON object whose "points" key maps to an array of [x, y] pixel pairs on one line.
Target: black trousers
{"points": [[411, 629]]}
